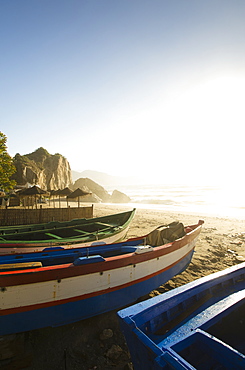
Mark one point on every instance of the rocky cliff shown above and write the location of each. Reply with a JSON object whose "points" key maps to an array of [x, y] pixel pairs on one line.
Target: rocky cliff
{"points": [[92, 186], [53, 172], [99, 193], [49, 171]]}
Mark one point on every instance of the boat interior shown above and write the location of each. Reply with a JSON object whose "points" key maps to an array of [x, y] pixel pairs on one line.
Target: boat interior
{"points": [[205, 328], [60, 233], [58, 256]]}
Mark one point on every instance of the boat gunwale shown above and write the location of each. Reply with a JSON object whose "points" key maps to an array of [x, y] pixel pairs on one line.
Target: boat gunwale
{"points": [[111, 230], [182, 293], [62, 224], [93, 294], [57, 272]]}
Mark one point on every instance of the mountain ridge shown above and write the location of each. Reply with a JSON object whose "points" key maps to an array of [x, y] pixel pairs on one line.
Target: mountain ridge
{"points": [[102, 178]]}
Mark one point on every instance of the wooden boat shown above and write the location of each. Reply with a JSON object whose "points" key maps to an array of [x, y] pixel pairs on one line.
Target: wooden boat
{"points": [[56, 287], [197, 326], [30, 238], [14, 229]]}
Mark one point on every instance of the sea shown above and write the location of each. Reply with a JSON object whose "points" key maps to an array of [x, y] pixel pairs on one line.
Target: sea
{"points": [[220, 201]]}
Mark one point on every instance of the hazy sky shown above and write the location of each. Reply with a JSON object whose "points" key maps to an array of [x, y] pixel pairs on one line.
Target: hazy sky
{"points": [[130, 87]]}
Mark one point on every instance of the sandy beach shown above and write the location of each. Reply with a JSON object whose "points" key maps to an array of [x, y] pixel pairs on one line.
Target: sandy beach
{"points": [[98, 343], [220, 245]]}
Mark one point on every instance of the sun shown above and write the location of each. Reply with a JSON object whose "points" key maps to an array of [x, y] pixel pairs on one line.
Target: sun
{"points": [[205, 126]]}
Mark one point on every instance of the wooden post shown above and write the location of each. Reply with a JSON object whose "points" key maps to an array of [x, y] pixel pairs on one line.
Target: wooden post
{"points": [[40, 214]]}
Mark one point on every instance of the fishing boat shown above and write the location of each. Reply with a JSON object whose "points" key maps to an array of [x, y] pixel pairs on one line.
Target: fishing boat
{"points": [[200, 325], [56, 287], [31, 238]]}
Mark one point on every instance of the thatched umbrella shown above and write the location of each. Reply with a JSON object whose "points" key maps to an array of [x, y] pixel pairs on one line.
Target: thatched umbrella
{"points": [[57, 193], [66, 191], [78, 193], [33, 191], [52, 194]]}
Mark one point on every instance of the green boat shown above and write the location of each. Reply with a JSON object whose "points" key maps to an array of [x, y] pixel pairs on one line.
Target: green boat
{"points": [[68, 234]]}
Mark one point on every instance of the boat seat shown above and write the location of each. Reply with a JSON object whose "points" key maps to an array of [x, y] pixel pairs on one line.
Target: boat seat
{"points": [[81, 231], [103, 224], [53, 236], [20, 266]]}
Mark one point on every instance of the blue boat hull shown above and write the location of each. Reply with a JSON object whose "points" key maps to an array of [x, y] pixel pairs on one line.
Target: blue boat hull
{"points": [[200, 325]]}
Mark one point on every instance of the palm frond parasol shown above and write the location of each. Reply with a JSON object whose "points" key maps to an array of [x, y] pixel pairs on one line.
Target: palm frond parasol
{"points": [[78, 193], [34, 191]]}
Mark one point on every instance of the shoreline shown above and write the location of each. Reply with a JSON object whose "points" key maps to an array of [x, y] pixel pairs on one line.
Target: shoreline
{"points": [[166, 210]]}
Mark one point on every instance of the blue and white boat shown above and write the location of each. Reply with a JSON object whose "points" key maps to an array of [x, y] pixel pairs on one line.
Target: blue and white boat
{"points": [[198, 326], [57, 287]]}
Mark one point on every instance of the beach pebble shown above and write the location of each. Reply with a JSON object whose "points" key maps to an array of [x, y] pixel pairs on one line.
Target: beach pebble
{"points": [[106, 334], [240, 258]]}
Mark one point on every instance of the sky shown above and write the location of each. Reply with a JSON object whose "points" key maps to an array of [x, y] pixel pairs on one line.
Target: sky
{"points": [[147, 88]]}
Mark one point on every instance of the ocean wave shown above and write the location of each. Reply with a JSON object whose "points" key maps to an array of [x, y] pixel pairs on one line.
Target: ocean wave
{"points": [[155, 201], [199, 199]]}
